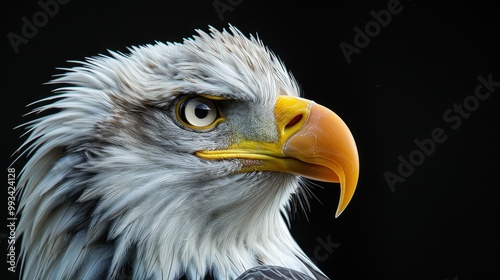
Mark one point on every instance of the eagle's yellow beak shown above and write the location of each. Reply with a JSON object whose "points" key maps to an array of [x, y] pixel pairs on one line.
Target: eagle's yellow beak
{"points": [[313, 142]]}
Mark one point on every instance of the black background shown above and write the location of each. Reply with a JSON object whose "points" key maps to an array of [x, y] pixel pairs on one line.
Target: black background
{"points": [[440, 223]]}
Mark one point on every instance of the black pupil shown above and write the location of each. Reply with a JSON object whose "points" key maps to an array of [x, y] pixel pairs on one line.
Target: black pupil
{"points": [[201, 111]]}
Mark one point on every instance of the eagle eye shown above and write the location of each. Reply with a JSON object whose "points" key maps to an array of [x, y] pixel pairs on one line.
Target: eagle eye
{"points": [[197, 112]]}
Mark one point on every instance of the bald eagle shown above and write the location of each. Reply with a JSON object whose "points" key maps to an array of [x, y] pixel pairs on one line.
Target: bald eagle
{"points": [[176, 160]]}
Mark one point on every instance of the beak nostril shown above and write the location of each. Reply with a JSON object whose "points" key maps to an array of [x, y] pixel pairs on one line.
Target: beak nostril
{"points": [[295, 120]]}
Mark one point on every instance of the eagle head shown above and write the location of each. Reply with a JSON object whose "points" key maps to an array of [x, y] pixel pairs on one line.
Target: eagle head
{"points": [[175, 160]]}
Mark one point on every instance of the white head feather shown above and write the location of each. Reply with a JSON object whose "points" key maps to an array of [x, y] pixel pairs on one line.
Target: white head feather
{"points": [[112, 187]]}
